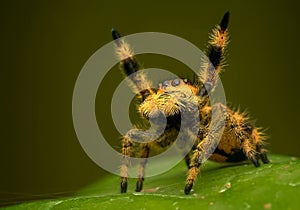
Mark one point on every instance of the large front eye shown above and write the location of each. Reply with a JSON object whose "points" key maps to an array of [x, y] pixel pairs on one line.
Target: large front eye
{"points": [[166, 84], [175, 82]]}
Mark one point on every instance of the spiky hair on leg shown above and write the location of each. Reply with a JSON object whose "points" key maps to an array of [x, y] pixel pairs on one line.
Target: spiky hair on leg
{"points": [[130, 67], [212, 67]]}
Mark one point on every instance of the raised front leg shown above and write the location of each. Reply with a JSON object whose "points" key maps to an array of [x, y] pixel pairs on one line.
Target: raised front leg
{"points": [[130, 66], [215, 53]]}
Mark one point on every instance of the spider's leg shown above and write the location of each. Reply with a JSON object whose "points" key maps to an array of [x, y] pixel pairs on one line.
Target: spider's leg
{"points": [[185, 144], [141, 170], [130, 66], [127, 147], [187, 159], [258, 138], [262, 152], [212, 67], [130, 140], [249, 137], [204, 149]]}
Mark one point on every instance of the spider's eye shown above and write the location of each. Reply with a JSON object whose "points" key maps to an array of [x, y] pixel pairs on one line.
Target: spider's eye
{"points": [[166, 83], [175, 82]]}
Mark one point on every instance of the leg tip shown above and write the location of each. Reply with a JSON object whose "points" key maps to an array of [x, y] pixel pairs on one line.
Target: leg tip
{"points": [[256, 163], [224, 21], [188, 188], [264, 158], [115, 34], [139, 186], [123, 187]]}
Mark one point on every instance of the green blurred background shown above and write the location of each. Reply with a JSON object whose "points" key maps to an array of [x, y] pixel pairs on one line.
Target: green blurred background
{"points": [[45, 44]]}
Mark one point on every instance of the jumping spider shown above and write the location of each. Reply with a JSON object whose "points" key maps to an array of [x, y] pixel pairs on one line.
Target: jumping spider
{"points": [[240, 140]]}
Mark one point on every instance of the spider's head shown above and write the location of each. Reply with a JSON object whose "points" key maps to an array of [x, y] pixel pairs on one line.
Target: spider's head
{"points": [[171, 98]]}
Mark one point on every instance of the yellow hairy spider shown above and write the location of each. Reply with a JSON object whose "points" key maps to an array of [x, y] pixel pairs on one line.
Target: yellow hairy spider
{"points": [[240, 140]]}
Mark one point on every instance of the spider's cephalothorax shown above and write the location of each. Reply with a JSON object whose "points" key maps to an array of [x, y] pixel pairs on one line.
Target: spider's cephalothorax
{"points": [[240, 140]]}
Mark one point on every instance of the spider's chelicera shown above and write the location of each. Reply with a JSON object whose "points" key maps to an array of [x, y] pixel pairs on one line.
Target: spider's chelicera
{"points": [[240, 139]]}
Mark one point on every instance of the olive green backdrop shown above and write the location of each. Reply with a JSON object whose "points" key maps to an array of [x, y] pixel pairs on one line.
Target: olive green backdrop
{"points": [[44, 45]]}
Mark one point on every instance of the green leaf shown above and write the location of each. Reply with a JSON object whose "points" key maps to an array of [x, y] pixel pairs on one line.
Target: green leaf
{"points": [[219, 186]]}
